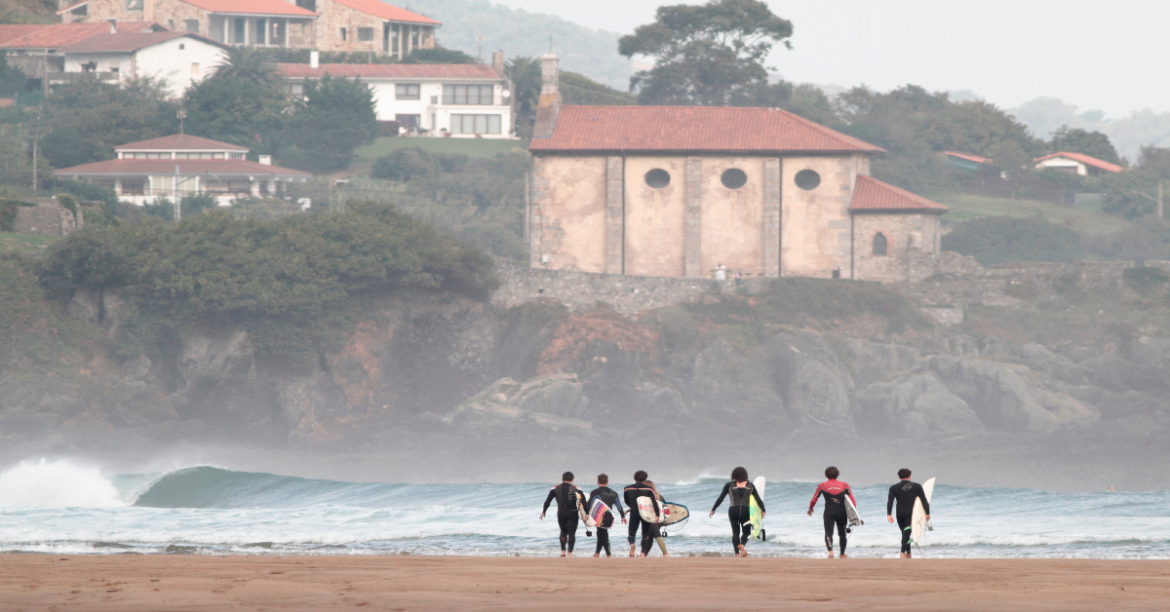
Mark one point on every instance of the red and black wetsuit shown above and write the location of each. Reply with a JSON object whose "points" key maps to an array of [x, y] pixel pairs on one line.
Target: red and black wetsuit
{"points": [[906, 492], [739, 513], [649, 530], [834, 492], [568, 496]]}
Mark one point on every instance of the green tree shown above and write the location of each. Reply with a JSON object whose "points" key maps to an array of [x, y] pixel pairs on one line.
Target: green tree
{"points": [[438, 55], [1076, 140], [996, 240], [247, 65], [707, 54], [12, 80], [241, 104], [524, 72], [334, 118], [1132, 194]]}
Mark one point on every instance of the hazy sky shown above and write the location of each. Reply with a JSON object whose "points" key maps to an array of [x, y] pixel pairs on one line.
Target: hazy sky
{"points": [[1109, 56]]}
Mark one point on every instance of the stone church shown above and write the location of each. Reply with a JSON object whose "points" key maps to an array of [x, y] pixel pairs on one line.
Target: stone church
{"points": [[683, 191]]}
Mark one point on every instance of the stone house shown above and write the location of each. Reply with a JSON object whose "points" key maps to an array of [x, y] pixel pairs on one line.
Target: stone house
{"points": [[370, 26], [261, 23], [689, 191]]}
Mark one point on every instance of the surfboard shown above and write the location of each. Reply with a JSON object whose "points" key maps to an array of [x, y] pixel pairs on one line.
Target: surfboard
{"points": [[646, 510], [918, 518], [675, 513], [583, 511], [851, 513], [756, 515], [600, 515]]}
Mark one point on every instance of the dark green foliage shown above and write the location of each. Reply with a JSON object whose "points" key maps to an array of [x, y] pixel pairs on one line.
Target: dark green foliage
{"points": [[335, 117], [12, 80], [707, 54], [524, 73], [404, 164], [1132, 194], [242, 103], [86, 119], [438, 55], [91, 192], [1147, 238], [8, 208], [293, 282], [1145, 280], [580, 90], [1076, 140], [195, 204], [996, 240]]}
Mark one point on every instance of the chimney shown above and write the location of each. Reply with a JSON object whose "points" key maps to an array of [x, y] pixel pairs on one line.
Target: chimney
{"points": [[550, 97], [498, 61], [113, 26], [314, 59], [266, 159]]}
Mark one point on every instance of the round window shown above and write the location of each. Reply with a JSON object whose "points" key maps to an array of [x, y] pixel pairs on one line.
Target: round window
{"points": [[734, 178], [657, 178], [808, 179]]}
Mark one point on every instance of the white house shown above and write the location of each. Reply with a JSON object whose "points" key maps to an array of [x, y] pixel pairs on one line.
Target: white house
{"points": [[461, 100], [1076, 163], [180, 59], [180, 165]]}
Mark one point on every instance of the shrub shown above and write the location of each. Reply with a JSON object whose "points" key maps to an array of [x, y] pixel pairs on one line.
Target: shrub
{"points": [[8, 208], [996, 240], [1145, 279], [404, 164]]}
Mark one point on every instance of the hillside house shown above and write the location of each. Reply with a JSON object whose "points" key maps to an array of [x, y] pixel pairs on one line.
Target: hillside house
{"points": [[179, 165], [685, 191], [38, 50], [968, 161], [258, 23], [461, 100], [370, 26], [178, 59], [1076, 163]]}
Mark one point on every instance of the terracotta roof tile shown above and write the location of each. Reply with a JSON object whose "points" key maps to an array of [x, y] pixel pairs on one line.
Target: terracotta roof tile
{"points": [[252, 7], [385, 11], [1084, 159], [692, 128], [135, 167], [873, 196], [390, 71], [12, 32], [969, 157], [129, 41], [179, 142], [60, 35]]}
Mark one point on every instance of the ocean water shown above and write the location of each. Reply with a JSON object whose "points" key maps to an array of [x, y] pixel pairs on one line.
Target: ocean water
{"points": [[62, 507]]}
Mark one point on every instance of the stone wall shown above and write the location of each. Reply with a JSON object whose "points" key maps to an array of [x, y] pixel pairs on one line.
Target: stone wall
{"points": [[911, 241], [47, 217]]}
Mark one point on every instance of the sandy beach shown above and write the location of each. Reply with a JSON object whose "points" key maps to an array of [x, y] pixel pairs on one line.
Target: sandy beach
{"points": [[128, 583]]}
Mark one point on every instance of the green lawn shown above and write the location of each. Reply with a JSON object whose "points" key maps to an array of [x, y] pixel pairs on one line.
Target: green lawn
{"points": [[472, 147], [25, 243], [964, 206]]}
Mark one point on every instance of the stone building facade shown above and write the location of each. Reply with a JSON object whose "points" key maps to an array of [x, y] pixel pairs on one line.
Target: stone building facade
{"points": [[361, 26], [704, 191]]}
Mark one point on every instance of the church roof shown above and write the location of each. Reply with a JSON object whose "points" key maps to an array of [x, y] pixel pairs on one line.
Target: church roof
{"points": [[712, 129], [873, 196]]}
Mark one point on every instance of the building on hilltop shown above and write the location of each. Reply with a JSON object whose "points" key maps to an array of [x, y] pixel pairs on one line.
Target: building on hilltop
{"points": [[370, 26], [38, 50], [180, 165], [685, 191], [1076, 163], [462, 100], [177, 59]]}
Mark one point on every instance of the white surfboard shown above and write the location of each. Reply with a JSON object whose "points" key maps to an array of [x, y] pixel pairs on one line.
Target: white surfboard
{"points": [[918, 519], [757, 515], [583, 512], [851, 513], [646, 510]]}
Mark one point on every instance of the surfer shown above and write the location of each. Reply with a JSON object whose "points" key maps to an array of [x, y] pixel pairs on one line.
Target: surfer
{"points": [[568, 496], [905, 492], [610, 498], [662, 500], [649, 530], [835, 514], [741, 491]]}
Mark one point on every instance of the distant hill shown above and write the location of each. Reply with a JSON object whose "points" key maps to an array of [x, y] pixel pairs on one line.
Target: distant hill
{"points": [[28, 11], [592, 53]]}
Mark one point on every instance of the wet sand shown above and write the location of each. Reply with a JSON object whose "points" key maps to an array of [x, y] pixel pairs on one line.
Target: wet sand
{"points": [[127, 583]]}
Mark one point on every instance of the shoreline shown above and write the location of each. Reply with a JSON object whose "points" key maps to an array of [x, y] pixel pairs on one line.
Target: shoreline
{"points": [[415, 582]]}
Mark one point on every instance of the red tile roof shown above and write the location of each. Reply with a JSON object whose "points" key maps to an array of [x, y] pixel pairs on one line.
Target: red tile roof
{"points": [[12, 32], [390, 71], [969, 157], [130, 41], [187, 167], [180, 142], [692, 128], [1084, 159], [253, 7], [60, 35], [385, 11], [873, 196]]}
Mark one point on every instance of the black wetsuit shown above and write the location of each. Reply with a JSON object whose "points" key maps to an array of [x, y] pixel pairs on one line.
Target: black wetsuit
{"points": [[739, 513], [906, 492], [611, 499], [567, 496], [649, 530], [834, 492]]}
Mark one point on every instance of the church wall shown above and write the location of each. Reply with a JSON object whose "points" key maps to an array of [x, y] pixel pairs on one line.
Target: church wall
{"points": [[908, 235], [815, 235], [567, 225], [732, 219], [655, 229]]}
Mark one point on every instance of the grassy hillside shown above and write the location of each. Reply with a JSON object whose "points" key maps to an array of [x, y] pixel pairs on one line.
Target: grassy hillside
{"points": [[964, 207], [364, 156], [28, 11]]}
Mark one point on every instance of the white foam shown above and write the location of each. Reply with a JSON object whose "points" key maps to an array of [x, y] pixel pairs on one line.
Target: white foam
{"points": [[56, 484]]}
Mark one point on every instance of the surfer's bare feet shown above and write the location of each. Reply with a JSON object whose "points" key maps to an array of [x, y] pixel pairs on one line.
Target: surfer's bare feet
{"points": [[844, 556], [742, 551], [596, 555], [569, 555], [631, 550], [830, 554]]}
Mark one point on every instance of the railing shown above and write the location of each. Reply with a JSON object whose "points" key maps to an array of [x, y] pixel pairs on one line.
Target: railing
{"points": [[73, 77]]}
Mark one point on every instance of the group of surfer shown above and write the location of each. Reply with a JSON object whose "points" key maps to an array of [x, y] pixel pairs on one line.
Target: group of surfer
{"points": [[741, 494]]}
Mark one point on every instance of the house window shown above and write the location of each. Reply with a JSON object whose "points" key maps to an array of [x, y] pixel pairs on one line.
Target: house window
{"points": [[657, 178], [191, 25], [734, 178], [808, 179], [239, 30], [133, 187], [468, 94], [344, 35], [114, 67], [134, 5], [410, 122], [195, 68], [475, 124], [406, 91], [880, 245], [261, 32], [236, 155], [365, 34]]}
